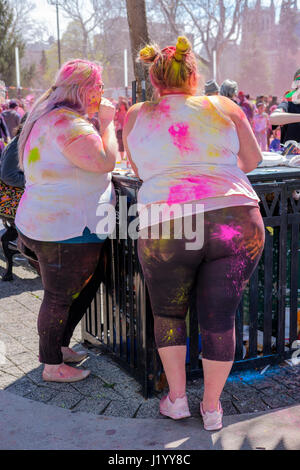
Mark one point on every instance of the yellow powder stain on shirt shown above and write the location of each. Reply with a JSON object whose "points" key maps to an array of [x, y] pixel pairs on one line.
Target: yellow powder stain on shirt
{"points": [[34, 156], [213, 152], [50, 174]]}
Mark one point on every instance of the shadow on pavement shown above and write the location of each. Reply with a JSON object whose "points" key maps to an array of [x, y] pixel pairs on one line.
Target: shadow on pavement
{"points": [[31, 283]]}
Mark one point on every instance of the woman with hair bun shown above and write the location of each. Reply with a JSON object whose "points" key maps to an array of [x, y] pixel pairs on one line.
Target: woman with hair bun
{"points": [[191, 153], [67, 167]]}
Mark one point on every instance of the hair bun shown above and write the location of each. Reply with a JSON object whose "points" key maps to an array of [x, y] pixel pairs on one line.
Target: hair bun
{"points": [[148, 53], [183, 46]]}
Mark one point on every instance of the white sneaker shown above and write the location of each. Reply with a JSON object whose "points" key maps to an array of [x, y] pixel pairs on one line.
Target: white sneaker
{"points": [[212, 420]]}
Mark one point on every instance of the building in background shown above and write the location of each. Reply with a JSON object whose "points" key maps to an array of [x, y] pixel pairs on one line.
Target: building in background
{"points": [[265, 59]]}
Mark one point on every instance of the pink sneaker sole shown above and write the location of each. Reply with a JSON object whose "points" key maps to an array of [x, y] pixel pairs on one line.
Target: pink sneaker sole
{"points": [[177, 410]]}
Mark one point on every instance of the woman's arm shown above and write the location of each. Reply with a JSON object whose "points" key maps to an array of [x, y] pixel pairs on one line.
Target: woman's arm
{"points": [[249, 155], [92, 153], [129, 122], [279, 118]]}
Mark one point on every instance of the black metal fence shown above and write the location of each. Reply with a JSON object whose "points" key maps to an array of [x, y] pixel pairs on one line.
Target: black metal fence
{"points": [[267, 319]]}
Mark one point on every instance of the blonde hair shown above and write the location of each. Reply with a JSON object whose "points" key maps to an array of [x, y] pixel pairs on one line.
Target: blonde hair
{"points": [[73, 82], [171, 67]]}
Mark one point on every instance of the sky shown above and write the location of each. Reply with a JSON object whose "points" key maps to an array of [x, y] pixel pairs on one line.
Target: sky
{"points": [[46, 14]]}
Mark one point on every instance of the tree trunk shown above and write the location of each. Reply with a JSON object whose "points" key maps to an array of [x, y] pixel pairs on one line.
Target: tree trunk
{"points": [[138, 30]]}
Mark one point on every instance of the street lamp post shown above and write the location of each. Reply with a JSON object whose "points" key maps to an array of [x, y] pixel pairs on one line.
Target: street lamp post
{"points": [[58, 35]]}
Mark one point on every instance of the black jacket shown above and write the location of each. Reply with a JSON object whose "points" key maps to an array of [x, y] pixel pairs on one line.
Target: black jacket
{"points": [[10, 173]]}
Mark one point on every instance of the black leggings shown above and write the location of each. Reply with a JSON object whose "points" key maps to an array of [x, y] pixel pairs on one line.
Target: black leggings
{"points": [[70, 274], [219, 271]]}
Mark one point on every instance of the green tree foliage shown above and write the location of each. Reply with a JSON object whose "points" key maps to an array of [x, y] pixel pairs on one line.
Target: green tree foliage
{"points": [[9, 40]]}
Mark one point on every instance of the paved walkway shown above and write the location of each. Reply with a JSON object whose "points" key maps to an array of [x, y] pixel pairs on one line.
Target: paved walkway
{"points": [[34, 426], [110, 391]]}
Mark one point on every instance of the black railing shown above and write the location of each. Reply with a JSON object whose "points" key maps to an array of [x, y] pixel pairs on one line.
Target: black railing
{"points": [[120, 317]]}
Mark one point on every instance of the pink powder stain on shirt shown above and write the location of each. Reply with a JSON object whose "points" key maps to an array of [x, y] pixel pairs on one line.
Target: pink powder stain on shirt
{"points": [[164, 108], [188, 193], [62, 121], [180, 136], [61, 139]]}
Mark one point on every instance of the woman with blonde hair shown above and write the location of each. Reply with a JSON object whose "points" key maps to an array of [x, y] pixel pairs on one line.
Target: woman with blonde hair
{"points": [[67, 167], [192, 153]]}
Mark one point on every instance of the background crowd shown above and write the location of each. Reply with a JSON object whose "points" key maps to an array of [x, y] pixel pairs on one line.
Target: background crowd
{"points": [[256, 109]]}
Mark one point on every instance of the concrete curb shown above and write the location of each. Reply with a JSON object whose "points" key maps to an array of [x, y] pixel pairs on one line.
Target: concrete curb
{"points": [[29, 425]]}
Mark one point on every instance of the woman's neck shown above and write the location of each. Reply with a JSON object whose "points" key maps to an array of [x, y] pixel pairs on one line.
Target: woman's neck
{"points": [[175, 91]]}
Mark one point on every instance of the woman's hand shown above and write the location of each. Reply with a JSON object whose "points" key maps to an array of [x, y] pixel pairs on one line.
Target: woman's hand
{"points": [[106, 114]]}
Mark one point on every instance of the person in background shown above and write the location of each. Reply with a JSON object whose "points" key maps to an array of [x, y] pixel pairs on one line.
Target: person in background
{"points": [[287, 114], [246, 106], [261, 124], [229, 88], [211, 88], [4, 132], [11, 117], [10, 171], [273, 103], [67, 167], [119, 124], [20, 109], [275, 145], [191, 153]]}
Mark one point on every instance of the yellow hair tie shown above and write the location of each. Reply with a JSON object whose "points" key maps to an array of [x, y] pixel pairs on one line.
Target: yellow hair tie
{"points": [[182, 47], [147, 52]]}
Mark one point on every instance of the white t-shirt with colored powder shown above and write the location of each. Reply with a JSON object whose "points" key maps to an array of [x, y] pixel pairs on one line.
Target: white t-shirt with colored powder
{"points": [[60, 198], [185, 150]]}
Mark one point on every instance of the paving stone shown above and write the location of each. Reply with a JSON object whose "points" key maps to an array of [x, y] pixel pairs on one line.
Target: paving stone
{"points": [[128, 387], [278, 401], [194, 403], [31, 369], [233, 388], [21, 387], [123, 408], [65, 399], [264, 383], [12, 370], [149, 409], [95, 388], [14, 348], [42, 394], [90, 405], [228, 408], [250, 405], [35, 375], [25, 357], [6, 380]]}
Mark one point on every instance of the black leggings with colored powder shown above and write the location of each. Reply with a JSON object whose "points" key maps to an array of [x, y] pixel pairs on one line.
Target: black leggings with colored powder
{"points": [[219, 271], [71, 275]]}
